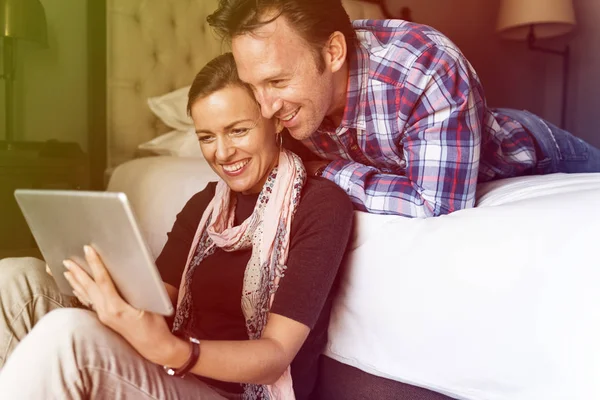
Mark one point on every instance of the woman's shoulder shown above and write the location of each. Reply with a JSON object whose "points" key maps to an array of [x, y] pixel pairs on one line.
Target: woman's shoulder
{"points": [[318, 185], [322, 193], [205, 194]]}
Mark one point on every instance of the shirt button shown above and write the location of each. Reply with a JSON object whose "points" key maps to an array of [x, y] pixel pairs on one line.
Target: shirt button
{"points": [[354, 147]]}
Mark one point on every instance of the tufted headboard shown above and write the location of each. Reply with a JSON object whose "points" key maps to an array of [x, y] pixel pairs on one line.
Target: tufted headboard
{"points": [[154, 47]]}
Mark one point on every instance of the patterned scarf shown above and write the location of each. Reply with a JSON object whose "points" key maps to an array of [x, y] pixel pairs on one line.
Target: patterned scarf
{"points": [[267, 231]]}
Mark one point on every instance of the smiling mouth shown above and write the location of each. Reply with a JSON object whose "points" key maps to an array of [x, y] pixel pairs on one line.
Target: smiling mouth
{"points": [[290, 116], [236, 167]]}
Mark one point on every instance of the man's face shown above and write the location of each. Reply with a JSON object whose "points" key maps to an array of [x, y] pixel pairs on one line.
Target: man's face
{"points": [[283, 72]]}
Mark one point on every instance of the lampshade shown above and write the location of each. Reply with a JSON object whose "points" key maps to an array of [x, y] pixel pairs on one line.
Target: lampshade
{"points": [[23, 19], [548, 18]]}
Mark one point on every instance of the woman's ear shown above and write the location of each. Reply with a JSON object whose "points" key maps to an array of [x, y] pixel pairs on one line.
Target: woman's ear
{"points": [[335, 51]]}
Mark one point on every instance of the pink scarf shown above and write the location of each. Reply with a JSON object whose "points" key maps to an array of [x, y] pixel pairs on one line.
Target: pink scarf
{"points": [[267, 231]]}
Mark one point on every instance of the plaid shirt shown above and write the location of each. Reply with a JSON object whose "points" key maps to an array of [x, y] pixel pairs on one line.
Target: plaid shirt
{"points": [[415, 126]]}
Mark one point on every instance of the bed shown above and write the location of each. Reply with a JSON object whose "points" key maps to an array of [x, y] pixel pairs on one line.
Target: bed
{"points": [[442, 316]]}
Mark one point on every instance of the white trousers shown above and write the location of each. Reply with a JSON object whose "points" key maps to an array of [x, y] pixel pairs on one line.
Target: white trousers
{"points": [[69, 353]]}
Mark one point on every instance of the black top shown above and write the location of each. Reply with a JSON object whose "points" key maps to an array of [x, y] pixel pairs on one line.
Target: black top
{"points": [[320, 232]]}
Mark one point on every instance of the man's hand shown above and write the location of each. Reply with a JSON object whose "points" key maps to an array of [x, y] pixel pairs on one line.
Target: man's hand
{"points": [[313, 166]]}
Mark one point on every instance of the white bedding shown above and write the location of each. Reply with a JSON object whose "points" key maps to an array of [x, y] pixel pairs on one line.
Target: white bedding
{"points": [[496, 302], [530, 187]]}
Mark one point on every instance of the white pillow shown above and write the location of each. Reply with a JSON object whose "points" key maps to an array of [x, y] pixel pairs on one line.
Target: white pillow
{"points": [[174, 143], [171, 109]]}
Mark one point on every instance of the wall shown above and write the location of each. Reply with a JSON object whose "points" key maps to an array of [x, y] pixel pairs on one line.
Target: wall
{"points": [[2, 98], [51, 86], [584, 91], [512, 75]]}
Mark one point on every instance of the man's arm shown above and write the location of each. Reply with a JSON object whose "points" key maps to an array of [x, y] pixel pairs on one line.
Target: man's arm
{"points": [[441, 144]]}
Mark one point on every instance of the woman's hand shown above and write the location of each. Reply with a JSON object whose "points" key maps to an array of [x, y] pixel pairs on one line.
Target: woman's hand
{"points": [[147, 332]]}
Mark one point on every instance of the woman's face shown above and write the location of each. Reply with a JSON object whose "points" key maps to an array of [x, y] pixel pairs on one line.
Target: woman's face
{"points": [[238, 143]]}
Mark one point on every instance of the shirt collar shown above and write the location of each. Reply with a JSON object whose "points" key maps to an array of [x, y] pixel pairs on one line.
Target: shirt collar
{"points": [[357, 74]]}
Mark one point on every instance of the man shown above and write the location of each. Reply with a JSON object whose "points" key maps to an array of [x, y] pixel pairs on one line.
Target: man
{"points": [[394, 108]]}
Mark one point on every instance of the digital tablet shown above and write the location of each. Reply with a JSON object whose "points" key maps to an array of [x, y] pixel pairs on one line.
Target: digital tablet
{"points": [[63, 221]]}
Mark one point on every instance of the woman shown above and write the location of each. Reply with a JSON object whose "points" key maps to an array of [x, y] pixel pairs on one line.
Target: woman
{"points": [[264, 236]]}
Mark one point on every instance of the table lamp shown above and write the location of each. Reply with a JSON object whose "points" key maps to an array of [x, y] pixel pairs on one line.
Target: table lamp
{"points": [[539, 19], [19, 20]]}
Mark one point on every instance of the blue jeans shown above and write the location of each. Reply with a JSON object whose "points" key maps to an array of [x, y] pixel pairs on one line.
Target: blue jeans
{"points": [[560, 150]]}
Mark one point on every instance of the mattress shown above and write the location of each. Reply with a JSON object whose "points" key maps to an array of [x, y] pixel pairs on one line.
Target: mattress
{"points": [[495, 302]]}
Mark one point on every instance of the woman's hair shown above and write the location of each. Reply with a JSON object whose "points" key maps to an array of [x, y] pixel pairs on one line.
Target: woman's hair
{"points": [[219, 73], [314, 20]]}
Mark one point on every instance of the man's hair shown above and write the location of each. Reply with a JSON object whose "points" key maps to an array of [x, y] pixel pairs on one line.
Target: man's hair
{"points": [[314, 20], [218, 74]]}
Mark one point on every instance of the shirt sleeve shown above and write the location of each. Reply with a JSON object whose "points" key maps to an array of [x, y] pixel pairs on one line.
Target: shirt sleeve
{"points": [[320, 233], [171, 260], [440, 141]]}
